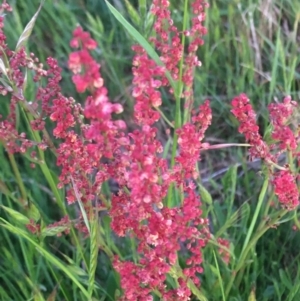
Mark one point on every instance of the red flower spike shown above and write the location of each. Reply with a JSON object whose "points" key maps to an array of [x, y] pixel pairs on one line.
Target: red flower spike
{"points": [[280, 113], [244, 113], [286, 189]]}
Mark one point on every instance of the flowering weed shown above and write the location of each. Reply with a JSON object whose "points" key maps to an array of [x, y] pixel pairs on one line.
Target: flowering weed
{"points": [[156, 235]]}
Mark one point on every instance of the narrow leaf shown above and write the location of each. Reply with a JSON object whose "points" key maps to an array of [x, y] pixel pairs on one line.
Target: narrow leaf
{"points": [[205, 195], [252, 295], [219, 276], [94, 237], [134, 15], [48, 256], [2, 67], [143, 8], [17, 215], [96, 23], [33, 212], [52, 231], [28, 29], [83, 212]]}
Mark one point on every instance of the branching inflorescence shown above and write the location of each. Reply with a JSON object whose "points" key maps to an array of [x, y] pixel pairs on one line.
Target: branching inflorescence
{"points": [[92, 147]]}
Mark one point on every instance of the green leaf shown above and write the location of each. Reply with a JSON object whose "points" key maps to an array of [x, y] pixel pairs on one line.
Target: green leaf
{"points": [[285, 280], [2, 67], [148, 24], [205, 195], [219, 276], [94, 250], [252, 295], [111, 285], [8, 87], [134, 15], [52, 231], [143, 9], [83, 212], [229, 182], [194, 289], [28, 29], [68, 270], [33, 212], [167, 148], [96, 23], [17, 215]]}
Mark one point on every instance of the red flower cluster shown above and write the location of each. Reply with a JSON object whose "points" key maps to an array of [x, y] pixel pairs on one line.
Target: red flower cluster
{"points": [[170, 52], [245, 114], [284, 181], [82, 60], [80, 155], [13, 78], [286, 189], [142, 175], [90, 154], [146, 81], [189, 140], [161, 232], [280, 113], [196, 32]]}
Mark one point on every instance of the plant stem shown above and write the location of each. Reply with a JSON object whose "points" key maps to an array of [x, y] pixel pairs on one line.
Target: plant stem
{"points": [[165, 117], [178, 94], [18, 179], [267, 207], [263, 227], [185, 21], [256, 213]]}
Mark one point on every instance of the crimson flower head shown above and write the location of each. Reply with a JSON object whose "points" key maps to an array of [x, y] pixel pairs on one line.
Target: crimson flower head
{"points": [[286, 189], [280, 113], [243, 111], [82, 39]]}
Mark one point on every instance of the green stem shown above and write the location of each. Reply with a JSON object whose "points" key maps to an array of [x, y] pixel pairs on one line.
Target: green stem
{"points": [[178, 94], [254, 220], [18, 179], [256, 213], [296, 221], [165, 117], [263, 227], [185, 21], [290, 157], [219, 276], [267, 207]]}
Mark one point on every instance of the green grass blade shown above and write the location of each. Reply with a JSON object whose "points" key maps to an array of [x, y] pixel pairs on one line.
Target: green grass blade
{"points": [[48, 256], [28, 29]]}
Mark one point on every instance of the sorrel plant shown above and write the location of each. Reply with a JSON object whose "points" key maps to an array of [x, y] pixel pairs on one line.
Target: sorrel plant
{"points": [[159, 208]]}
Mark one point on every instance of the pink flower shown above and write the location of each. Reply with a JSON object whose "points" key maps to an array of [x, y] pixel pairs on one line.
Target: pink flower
{"points": [[286, 189], [82, 39], [245, 114], [280, 114]]}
